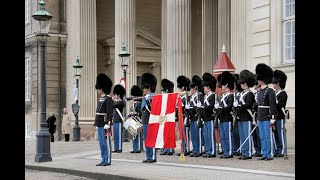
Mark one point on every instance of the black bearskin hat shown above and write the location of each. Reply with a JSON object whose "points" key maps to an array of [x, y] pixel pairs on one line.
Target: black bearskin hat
{"points": [[209, 80], [183, 83], [264, 73], [167, 86], [238, 85], [227, 79], [136, 91], [196, 81], [119, 90], [149, 81], [247, 77], [104, 82], [279, 77]]}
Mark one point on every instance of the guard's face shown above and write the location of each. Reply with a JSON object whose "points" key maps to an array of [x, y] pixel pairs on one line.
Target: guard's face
{"points": [[206, 89], [146, 91], [276, 86], [244, 86]]}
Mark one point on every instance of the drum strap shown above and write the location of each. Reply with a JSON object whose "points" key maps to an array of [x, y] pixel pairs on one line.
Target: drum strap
{"points": [[119, 114]]}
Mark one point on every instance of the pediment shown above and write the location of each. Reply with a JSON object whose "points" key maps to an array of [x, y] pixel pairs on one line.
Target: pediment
{"points": [[143, 40]]}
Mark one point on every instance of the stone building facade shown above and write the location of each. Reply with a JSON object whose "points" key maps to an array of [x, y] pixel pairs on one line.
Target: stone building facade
{"points": [[165, 37]]}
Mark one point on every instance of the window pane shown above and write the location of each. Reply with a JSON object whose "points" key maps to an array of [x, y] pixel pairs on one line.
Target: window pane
{"points": [[293, 41], [287, 54], [293, 53], [293, 9], [288, 41], [287, 11], [288, 27], [293, 27]]}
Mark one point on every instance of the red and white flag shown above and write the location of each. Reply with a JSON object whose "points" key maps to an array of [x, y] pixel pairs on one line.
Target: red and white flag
{"points": [[161, 127]]}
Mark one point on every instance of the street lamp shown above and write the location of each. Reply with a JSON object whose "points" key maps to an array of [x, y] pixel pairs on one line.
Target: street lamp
{"points": [[43, 136], [75, 107], [124, 57]]}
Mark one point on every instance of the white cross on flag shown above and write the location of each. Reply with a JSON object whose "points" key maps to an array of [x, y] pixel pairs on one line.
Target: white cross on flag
{"points": [[161, 127]]}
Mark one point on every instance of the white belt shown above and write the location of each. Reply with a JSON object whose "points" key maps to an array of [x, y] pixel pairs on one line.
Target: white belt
{"points": [[102, 114], [264, 106]]}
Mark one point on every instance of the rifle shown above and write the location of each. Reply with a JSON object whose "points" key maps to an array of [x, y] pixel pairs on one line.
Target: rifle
{"points": [[187, 119], [216, 112]]}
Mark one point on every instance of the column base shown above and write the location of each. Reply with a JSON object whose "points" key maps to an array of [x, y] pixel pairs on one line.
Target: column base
{"points": [[43, 146]]}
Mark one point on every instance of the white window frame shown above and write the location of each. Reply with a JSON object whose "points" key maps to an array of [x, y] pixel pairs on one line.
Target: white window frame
{"points": [[27, 77], [285, 21], [27, 129], [27, 11]]}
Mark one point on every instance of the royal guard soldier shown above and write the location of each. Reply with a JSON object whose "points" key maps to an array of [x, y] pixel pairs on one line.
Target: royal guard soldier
{"points": [[245, 114], [226, 82], [183, 84], [103, 119], [118, 104], [255, 135], [135, 110], [279, 83], [235, 113], [167, 87], [149, 83], [194, 105], [266, 101], [209, 87]]}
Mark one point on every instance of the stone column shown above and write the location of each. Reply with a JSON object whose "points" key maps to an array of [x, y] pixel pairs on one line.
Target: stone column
{"points": [[82, 42], [88, 58], [224, 24], [238, 34], [125, 32], [209, 34], [178, 39], [163, 39]]}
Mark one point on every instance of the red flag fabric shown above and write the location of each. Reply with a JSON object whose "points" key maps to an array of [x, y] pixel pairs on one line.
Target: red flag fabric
{"points": [[161, 127]]}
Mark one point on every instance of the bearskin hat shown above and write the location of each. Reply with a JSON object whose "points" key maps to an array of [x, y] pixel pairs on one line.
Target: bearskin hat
{"points": [[119, 90], [279, 77], [227, 79], [167, 86], [209, 80], [183, 83], [247, 77], [104, 82], [149, 81], [264, 73], [238, 85], [196, 81], [136, 91]]}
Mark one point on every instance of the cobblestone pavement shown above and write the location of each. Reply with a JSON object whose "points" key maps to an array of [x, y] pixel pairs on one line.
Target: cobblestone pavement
{"points": [[47, 175]]}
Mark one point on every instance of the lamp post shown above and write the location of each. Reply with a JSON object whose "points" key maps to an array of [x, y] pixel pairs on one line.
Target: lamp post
{"points": [[75, 107], [124, 56], [43, 136]]}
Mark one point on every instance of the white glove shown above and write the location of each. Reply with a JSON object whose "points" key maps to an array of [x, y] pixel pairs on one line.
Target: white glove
{"points": [[272, 121], [147, 96], [235, 103], [106, 126], [254, 122], [216, 105], [96, 127], [187, 106], [198, 104]]}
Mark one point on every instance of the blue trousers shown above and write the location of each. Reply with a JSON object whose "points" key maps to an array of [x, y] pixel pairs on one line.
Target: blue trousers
{"points": [[226, 137], [196, 137], [167, 150], [186, 148], [256, 140], [117, 136], [105, 145], [209, 137], [265, 138], [136, 142], [244, 131], [235, 138], [280, 137], [150, 152]]}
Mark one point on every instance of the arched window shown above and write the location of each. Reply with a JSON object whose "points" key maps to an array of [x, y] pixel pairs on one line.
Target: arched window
{"points": [[27, 11], [288, 31]]}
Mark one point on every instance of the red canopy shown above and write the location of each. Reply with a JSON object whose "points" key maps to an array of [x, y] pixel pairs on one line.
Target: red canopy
{"points": [[223, 64]]}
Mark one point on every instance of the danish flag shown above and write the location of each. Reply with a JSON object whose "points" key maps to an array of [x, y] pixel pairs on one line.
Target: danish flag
{"points": [[161, 127]]}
